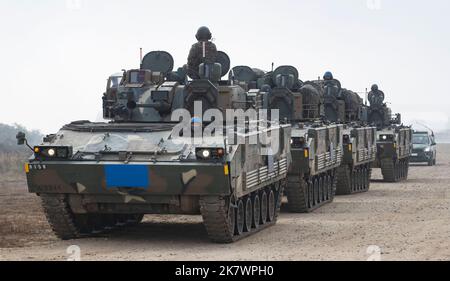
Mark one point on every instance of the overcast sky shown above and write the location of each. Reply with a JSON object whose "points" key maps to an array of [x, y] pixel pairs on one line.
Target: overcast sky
{"points": [[56, 54]]}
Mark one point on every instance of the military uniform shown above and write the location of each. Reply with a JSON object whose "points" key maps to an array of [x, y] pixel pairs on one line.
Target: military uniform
{"points": [[376, 97], [201, 52]]}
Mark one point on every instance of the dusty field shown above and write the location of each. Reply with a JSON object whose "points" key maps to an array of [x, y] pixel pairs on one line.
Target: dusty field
{"points": [[407, 221]]}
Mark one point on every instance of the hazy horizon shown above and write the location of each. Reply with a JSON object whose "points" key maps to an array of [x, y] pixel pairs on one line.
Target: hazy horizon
{"points": [[57, 54]]}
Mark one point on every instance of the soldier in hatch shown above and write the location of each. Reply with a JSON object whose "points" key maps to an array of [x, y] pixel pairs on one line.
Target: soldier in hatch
{"points": [[331, 85], [376, 97], [204, 51], [328, 76]]}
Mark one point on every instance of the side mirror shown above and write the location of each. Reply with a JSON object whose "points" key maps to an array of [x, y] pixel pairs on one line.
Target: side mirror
{"points": [[21, 138]]}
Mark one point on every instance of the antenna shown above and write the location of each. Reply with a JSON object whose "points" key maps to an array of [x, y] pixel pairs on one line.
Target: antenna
{"points": [[367, 96], [420, 123], [272, 66], [140, 61]]}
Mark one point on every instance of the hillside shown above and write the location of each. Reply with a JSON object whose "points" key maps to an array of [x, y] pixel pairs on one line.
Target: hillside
{"points": [[13, 156]]}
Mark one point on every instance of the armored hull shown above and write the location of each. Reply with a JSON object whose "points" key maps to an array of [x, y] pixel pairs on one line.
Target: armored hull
{"points": [[394, 151], [345, 107], [359, 152], [145, 173], [394, 140], [96, 176], [316, 155]]}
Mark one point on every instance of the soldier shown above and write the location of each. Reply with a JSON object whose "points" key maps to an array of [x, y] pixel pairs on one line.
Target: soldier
{"points": [[328, 76], [204, 51], [331, 86], [376, 97]]}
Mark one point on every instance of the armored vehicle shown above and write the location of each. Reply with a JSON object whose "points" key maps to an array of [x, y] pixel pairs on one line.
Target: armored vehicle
{"points": [[345, 107], [149, 159], [316, 147], [394, 140], [424, 148]]}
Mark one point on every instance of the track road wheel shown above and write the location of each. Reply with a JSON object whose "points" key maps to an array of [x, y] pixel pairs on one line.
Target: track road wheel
{"points": [[219, 218], [328, 187], [256, 211], [271, 206], [316, 192], [366, 179], [263, 208], [240, 218], [65, 224], [297, 194], [321, 193], [248, 215], [310, 195]]}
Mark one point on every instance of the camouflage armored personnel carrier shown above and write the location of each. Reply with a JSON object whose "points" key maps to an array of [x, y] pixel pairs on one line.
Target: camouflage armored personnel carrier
{"points": [[394, 140], [96, 176], [315, 146], [345, 107]]}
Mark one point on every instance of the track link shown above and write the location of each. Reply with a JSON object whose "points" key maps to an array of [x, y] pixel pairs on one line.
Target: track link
{"points": [[221, 216], [352, 180], [60, 217], [395, 170], [66, 225], [308, 194]]}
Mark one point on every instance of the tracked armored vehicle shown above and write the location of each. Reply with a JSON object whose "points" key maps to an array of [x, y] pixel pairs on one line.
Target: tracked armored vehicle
{"points": [[345, 107], [394, 140], [315, 146], [148, 160]]}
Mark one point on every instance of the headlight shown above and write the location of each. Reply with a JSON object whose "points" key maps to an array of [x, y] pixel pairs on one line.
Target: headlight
{"points": [[206, 153], [427, 149], [386, 137], [210, 153], [53, 152]]}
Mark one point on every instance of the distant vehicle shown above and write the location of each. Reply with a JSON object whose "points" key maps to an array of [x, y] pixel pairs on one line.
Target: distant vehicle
{"points": [[424, 148], [394, 144]]}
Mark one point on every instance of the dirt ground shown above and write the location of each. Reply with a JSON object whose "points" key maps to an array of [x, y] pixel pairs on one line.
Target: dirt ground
{"points": [[405, 221]]}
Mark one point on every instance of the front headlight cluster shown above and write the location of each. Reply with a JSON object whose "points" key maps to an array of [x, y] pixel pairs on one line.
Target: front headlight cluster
{"points": [[386, 137], [428, 149], [210, 153], [53, 152]]}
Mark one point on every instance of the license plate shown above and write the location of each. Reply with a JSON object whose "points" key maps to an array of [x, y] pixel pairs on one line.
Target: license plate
{"points": [[127, 176], [414, 155]]}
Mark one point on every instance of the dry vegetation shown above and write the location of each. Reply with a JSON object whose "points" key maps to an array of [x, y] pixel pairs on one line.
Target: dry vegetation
{"points": [[11, 165], [22, 221], [20, 212]]}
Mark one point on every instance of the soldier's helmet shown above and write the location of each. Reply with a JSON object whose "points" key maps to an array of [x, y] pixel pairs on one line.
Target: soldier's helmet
{"points": [[203, 34], [328, 76], [374, 87]]}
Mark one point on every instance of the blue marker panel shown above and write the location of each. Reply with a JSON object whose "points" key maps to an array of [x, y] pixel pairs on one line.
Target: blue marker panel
{"points": [[131, 176]]}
